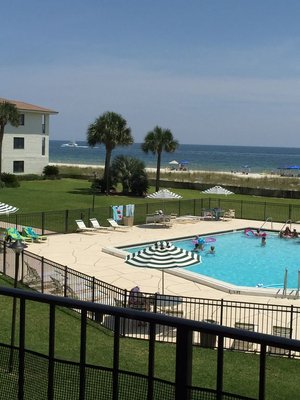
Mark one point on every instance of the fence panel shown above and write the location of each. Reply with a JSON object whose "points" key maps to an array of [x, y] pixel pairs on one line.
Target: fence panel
{"points": [[63, 221], [49, 277]]}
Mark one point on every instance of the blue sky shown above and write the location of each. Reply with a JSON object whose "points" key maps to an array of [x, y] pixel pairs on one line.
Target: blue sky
{"points": [[212, 71]]}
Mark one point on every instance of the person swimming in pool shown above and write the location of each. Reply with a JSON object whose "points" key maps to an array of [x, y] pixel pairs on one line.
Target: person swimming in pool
{"points": [[263, 241], [295, 234], [287, 232], [212, 250]]}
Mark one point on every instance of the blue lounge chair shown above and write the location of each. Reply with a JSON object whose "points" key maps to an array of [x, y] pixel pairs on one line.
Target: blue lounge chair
{"points": [[14, 234], [28, 232]]}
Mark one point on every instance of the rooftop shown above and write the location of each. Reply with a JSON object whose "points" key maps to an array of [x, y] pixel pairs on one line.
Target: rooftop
{"points": [[21, 106]]}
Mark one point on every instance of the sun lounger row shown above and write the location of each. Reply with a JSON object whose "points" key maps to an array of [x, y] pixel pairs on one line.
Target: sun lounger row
{"points": [[27, 235], [81, 227]]}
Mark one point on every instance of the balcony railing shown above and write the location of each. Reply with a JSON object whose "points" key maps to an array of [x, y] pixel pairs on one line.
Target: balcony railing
{"points": [[49, 277], [36, 374]]}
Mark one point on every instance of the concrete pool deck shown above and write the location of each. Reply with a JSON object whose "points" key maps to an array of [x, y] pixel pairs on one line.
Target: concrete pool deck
{"points": [[83, 252]]}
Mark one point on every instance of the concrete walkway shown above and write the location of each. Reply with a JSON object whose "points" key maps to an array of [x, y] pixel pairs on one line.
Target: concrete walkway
{"points": [[83, 252]]}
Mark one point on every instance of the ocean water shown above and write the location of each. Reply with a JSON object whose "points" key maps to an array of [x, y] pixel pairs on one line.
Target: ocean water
{"points": [[199, 157]]}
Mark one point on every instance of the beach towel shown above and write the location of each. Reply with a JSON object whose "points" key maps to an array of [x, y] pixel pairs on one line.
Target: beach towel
{"points": [[129, 210], [117, 213]]}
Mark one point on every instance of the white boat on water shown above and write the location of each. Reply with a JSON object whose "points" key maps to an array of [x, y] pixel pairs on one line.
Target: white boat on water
{"points": [[70, 144]]}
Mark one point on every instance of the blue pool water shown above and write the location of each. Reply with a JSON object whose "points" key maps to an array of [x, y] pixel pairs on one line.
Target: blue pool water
{"points": [[242, 261]]}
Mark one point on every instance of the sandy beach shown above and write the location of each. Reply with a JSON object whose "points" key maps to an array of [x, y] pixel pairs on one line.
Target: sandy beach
{"points": [[177, 172]]}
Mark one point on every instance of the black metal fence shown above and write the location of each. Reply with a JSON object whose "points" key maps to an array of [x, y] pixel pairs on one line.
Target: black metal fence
{"points": [[35, 374], [64, 221], [48, 277]]}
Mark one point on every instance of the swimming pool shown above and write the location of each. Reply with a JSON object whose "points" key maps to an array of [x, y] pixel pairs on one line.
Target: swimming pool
{"points": [[241, 260]]}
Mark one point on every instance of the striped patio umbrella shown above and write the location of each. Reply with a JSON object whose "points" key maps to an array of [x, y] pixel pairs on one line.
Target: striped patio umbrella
{"points": [[7, 209], [164, 194], [163, 255]]}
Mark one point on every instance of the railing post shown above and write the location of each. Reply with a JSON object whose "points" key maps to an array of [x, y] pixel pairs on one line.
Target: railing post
{"points": [[220, 367], [291, 325], [290, 211], [22, 266], [42, 273], [116, 359], [51, 352], [82, 354], [66, 281], [151, 355], [93, 289], [183, 374], [43, 223], [21, 350], [221, 313], [4, 257], [66, 221], [262, 372]]}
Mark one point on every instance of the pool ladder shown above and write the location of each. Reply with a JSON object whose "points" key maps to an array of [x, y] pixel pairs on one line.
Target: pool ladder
{"points": [[269, 219], [287, 222], [293, 292]]}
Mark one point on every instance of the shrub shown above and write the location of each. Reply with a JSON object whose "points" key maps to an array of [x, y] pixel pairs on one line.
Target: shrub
{"points": [[30, 177], [99, 185], [51, 172], [9, 180]]}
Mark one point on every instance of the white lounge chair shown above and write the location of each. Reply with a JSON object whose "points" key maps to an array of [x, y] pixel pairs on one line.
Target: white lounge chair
{"points": [[97, 226], [115, 225], [82, 227]]}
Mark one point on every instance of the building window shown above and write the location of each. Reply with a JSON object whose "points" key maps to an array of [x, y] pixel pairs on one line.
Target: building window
{"points": [[18, 143], [21, 119], [43, 123], [18, 166], [43, 146]]}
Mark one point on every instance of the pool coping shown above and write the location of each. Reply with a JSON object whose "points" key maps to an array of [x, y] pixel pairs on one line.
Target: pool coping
{"points": [[208, 281]]}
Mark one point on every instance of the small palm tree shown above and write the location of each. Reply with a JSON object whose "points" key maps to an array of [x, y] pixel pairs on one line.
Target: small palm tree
{"points": [[127, 171], [8, 114], [111, 130], [156, 142]]}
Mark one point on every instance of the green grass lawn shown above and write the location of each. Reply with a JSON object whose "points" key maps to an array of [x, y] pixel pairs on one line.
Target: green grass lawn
{"points": [[63, 194], [241, 370]]}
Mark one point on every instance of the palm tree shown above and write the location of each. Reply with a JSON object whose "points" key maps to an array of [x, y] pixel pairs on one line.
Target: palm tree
{"points": [[8, 114], [156, 142], [130, 172], [111, 130]]}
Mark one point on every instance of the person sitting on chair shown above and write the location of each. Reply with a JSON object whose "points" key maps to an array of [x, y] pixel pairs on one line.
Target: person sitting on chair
{"points": [[134, 296]]}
